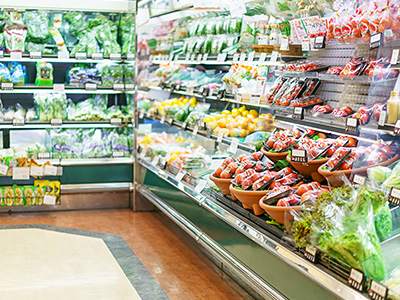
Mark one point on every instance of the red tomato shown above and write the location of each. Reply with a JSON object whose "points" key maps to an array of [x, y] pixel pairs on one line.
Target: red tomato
{"points": [[282, 203], [346, 166]]}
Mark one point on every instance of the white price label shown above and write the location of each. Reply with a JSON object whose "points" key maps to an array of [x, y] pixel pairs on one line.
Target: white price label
{"points": [[155, 160], [395, 193], [3, 169], [148, 114], [190, 90], [49, 200], [200, 186], [59, 171], [196, 129], [56, 122], [359, 179], [37, 171], [395, 56], [97, 56], [234, 145], [118, 154], [141, 115], [311, 249], [238, 97], [7, 86], [63, 55], [221, 57], [193, 57], [242, 57], [35, 55], [44, 155], [91, 86], [180, 175], [59, 87], [18, 122], [235, 58], [118, 86], [274, 56], [115, 56], [305, 45], [263, 55], [382, 118], [199, 58], [131, 56], [129, 86], [356, 275], [187, 56], [16, 55], [220, 136], [285, 43], [251, 56], [116, 121], [162, 119], [298, 110], [20, 173], [171, 57], [1, 54], [237, 8], [142, 154], [377, 290], [205, 57], [80, 55], [351, 122], [50, 170], [255, 99]]}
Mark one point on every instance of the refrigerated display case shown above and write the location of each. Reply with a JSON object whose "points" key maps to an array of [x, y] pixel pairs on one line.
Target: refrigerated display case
{"points": [[279, 158]]}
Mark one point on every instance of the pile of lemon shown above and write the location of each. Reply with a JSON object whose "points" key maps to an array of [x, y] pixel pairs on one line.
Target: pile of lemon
{"points": [[176, 102], [239, 122]]}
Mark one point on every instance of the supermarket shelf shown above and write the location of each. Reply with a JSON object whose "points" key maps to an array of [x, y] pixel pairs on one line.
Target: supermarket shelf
{"points": [[71, 60], [97, 161], [252, 231], [31, 89], [66, 124], [172, 11], [96, 187]]}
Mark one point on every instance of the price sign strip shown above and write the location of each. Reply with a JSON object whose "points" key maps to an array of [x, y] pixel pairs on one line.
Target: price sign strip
{"points": [[311, 253], [356, 279], [377, 291], [394, 196]]}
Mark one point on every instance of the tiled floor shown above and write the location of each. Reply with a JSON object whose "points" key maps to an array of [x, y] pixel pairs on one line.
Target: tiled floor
{"points": [[180, 269]]}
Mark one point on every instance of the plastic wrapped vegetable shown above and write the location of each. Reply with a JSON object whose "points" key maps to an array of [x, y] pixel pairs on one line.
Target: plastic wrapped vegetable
{"points": [[58, 39], [15, 38], [38, 26], [77, 23], [128, 34], [17, 73], [44, 74], [108, 40], [4, 73]]}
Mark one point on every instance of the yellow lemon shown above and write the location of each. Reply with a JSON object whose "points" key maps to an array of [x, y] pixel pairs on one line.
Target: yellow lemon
{"points": [[245, 113], [242, 109], [254, 113]]}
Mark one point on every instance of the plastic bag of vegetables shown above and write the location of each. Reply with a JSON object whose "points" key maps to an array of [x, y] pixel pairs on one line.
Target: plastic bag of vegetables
{"points": [[38, 26]]}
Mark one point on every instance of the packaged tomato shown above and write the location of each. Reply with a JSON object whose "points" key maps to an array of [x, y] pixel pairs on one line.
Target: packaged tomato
{"points": [[277, 193], [247, 183], [289, 201], [225, 163], [278, 84], [337, 159], [240, 177], [257, 156], [389, 25]]}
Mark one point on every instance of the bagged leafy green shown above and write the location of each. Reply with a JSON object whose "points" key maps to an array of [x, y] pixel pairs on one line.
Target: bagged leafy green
{"points": [[379, 174], [64, 143], [77, 23], [107, 39], [128, 34], [394, 178], [38, 26], [17, 73]]}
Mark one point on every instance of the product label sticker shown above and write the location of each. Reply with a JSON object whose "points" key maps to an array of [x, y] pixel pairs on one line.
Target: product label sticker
{"points": [[50, 170], [237, 8], [395, 57], [394, 196], [305, 45], [35, 55], [351, 125], [221, 57], [255, 99], [58, 87], [298, 113], [49, 200], [17, 55], [234, 146], [359, 180], [382, 118], [18, 122], [117, 154], [377, 291], [22, 173], [37, 171], [115, 56], [180, 176], [97, 56], [200, 186], [311, 253], [3, 169], [274, 56], [356, 279], [285, 43], [7, 86], [116, 121], [299, 155], [56, 122], [91, 86], [263, 55], [80, 55], [63, 55]]}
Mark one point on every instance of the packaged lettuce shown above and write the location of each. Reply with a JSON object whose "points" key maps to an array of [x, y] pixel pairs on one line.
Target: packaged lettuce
{"points": [[38, 26], [17, 73], [4, 73], [107, 39], [44, 74], [77, 23], [127, 27]]}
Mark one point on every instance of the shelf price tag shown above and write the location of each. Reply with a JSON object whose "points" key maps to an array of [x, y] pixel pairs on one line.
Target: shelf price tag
{"points": [[359, 180], [382, 118], [199, 58], [80, 55], [59, 87], [298, 113], [396, 129], [237, 8], [184, 125], [129, 87], [37, 171], [91, 86], [50, 170], [220, 136], [171, 57], [394, 196], [235, 58], [395, 57], [18, 122], [195, 129], [220, 94], [299, 155], [311, 253], [356, 279], [163, 163], [3, 169], [251, 56], [56, 122], [375, 40], [155, 161], [171, 121], [221, 57], [255, 99], [7, 86], [44, 155], [22, 173], [115, 56], [118, 86], [193, 57], [117, 154], [180, 175], [190, 90], [63, 55], [49, 200], [148, 114], [377, 291], [162, 120], [319, 42], [97, 56], [200, 186], [274, 56], [242, 57], [187, 56], [130, 56], [1, 54], [116, 121], [305, 45], [234, 146], [141, 115], [16, 55], [351, 125], [35, 55], [263, 55], [284, 44], [205, 57]]}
